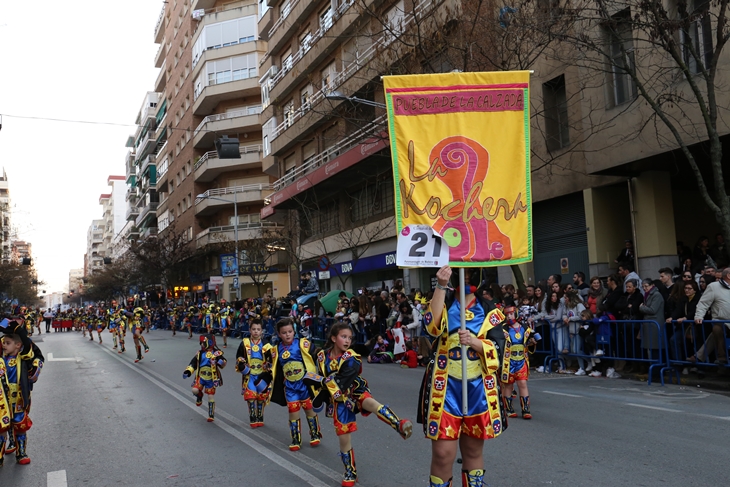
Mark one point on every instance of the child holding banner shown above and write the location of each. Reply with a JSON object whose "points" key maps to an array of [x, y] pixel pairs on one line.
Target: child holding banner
{"points": [[440, 400]]}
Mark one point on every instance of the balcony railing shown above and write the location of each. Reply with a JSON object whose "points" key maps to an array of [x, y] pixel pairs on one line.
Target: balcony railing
{"points": [[362, 59], [245, 112], [162, 168], [218, 192], [160, 20], [246, 149], [280, 20], [331, 152], [318, 34], [242, 227]]}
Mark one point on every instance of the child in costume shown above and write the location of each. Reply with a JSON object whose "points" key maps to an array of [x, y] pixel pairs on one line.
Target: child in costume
{"points": [[138, 326], [515, 366], [440, 400], [380, 353], [206, 365], [290, 361], [251, 362], [346, 394], [224, 318], [20, 367]]}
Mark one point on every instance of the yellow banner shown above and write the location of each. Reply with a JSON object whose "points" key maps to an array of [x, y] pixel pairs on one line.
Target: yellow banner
{"points": [[460, 144]]}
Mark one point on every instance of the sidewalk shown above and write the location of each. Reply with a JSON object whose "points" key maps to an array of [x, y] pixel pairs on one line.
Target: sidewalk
{"points": [[712, 378]]}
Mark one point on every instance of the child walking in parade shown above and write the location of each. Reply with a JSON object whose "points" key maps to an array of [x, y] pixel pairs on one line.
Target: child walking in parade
{"points": [[440, 401], [346, 394], [206, 366], [515, 366], [291, 359], [224, 317], [20, 367], [138, 327], [251, 363]]}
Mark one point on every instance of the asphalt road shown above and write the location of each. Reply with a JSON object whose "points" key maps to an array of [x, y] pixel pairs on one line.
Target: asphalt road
{"points": [[101, 420]]}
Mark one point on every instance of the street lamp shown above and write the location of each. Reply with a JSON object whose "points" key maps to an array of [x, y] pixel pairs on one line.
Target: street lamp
{"points": [[203, 196], [337, 96]]}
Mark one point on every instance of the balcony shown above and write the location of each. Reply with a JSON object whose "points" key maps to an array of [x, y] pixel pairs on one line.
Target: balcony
{"points": [[212, 95], [161, 80], [210, 166], [251, 193], [147, 144], [265, 23], [239, 121], [329, 31], [160, 26], [146, 162], [203, 4], [356, 138], [246, 231], [132, 213], [149, 211], [160, 56]]}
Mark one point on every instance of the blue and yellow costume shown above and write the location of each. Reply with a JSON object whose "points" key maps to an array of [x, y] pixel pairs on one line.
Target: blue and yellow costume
{"points": [[289, 364], [251, 362], [440, 400], [516, 366], [344, 390], [206, 365], [137, 327], [224, 319], [17, 376]]}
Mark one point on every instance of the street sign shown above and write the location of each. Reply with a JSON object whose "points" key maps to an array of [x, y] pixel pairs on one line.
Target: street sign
{"points": [[324, 275], [564, 267], [421, 246], [323, 263], [215, 280], [235, 283]]}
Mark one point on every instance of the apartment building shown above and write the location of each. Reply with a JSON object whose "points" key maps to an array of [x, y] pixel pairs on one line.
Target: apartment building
{"points": [[598, 179], [5, 229], [325, 137], [76, 280], [95, 253], [19, 250], [208, 85]]}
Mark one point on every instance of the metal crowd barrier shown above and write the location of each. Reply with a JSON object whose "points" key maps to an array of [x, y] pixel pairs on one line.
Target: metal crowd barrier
{"points": [[687, 339], [629, 340]]}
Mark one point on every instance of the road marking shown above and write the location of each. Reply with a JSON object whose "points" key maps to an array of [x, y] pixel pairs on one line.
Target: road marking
{"points": [[51, 358], [255, 445], [56, 479], [561, 394], [653, 407], [724, 418]]}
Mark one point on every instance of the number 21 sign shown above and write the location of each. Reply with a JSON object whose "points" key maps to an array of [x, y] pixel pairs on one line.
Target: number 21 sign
{"points": [[421, 246]]}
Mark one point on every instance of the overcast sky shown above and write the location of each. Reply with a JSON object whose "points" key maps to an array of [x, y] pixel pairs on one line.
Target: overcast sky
{"points": [[85, 60]]}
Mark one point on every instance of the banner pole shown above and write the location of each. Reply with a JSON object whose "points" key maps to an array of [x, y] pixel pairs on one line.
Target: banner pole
{"points": [[464, 384]]}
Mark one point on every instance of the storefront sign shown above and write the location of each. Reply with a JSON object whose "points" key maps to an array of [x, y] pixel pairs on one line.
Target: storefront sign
{"points": [[364, 264]]}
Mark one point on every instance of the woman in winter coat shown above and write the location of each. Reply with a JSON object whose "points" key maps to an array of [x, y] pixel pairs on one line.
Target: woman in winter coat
{"points": [[596, 294], [653, 310]]}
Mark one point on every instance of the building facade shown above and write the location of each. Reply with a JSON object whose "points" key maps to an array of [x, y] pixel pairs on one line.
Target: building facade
{"points": [[207, 89], [5, 228], [76, 281], [95, 252], [599, 177]]}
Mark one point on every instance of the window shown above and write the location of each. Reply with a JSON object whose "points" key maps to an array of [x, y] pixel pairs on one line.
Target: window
{"points": [[225, 34], [289, 113], [246, 220], [266, 130], [325, 18], [305, 41], [328, 77], [305, 95], [621, 54], [394, 21], [698, 37], [263, 7], [226, 70], [290, 164], [309, 151], [286, 60], [349, 53], [372, 200], [323, 220], [556, 113]]}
